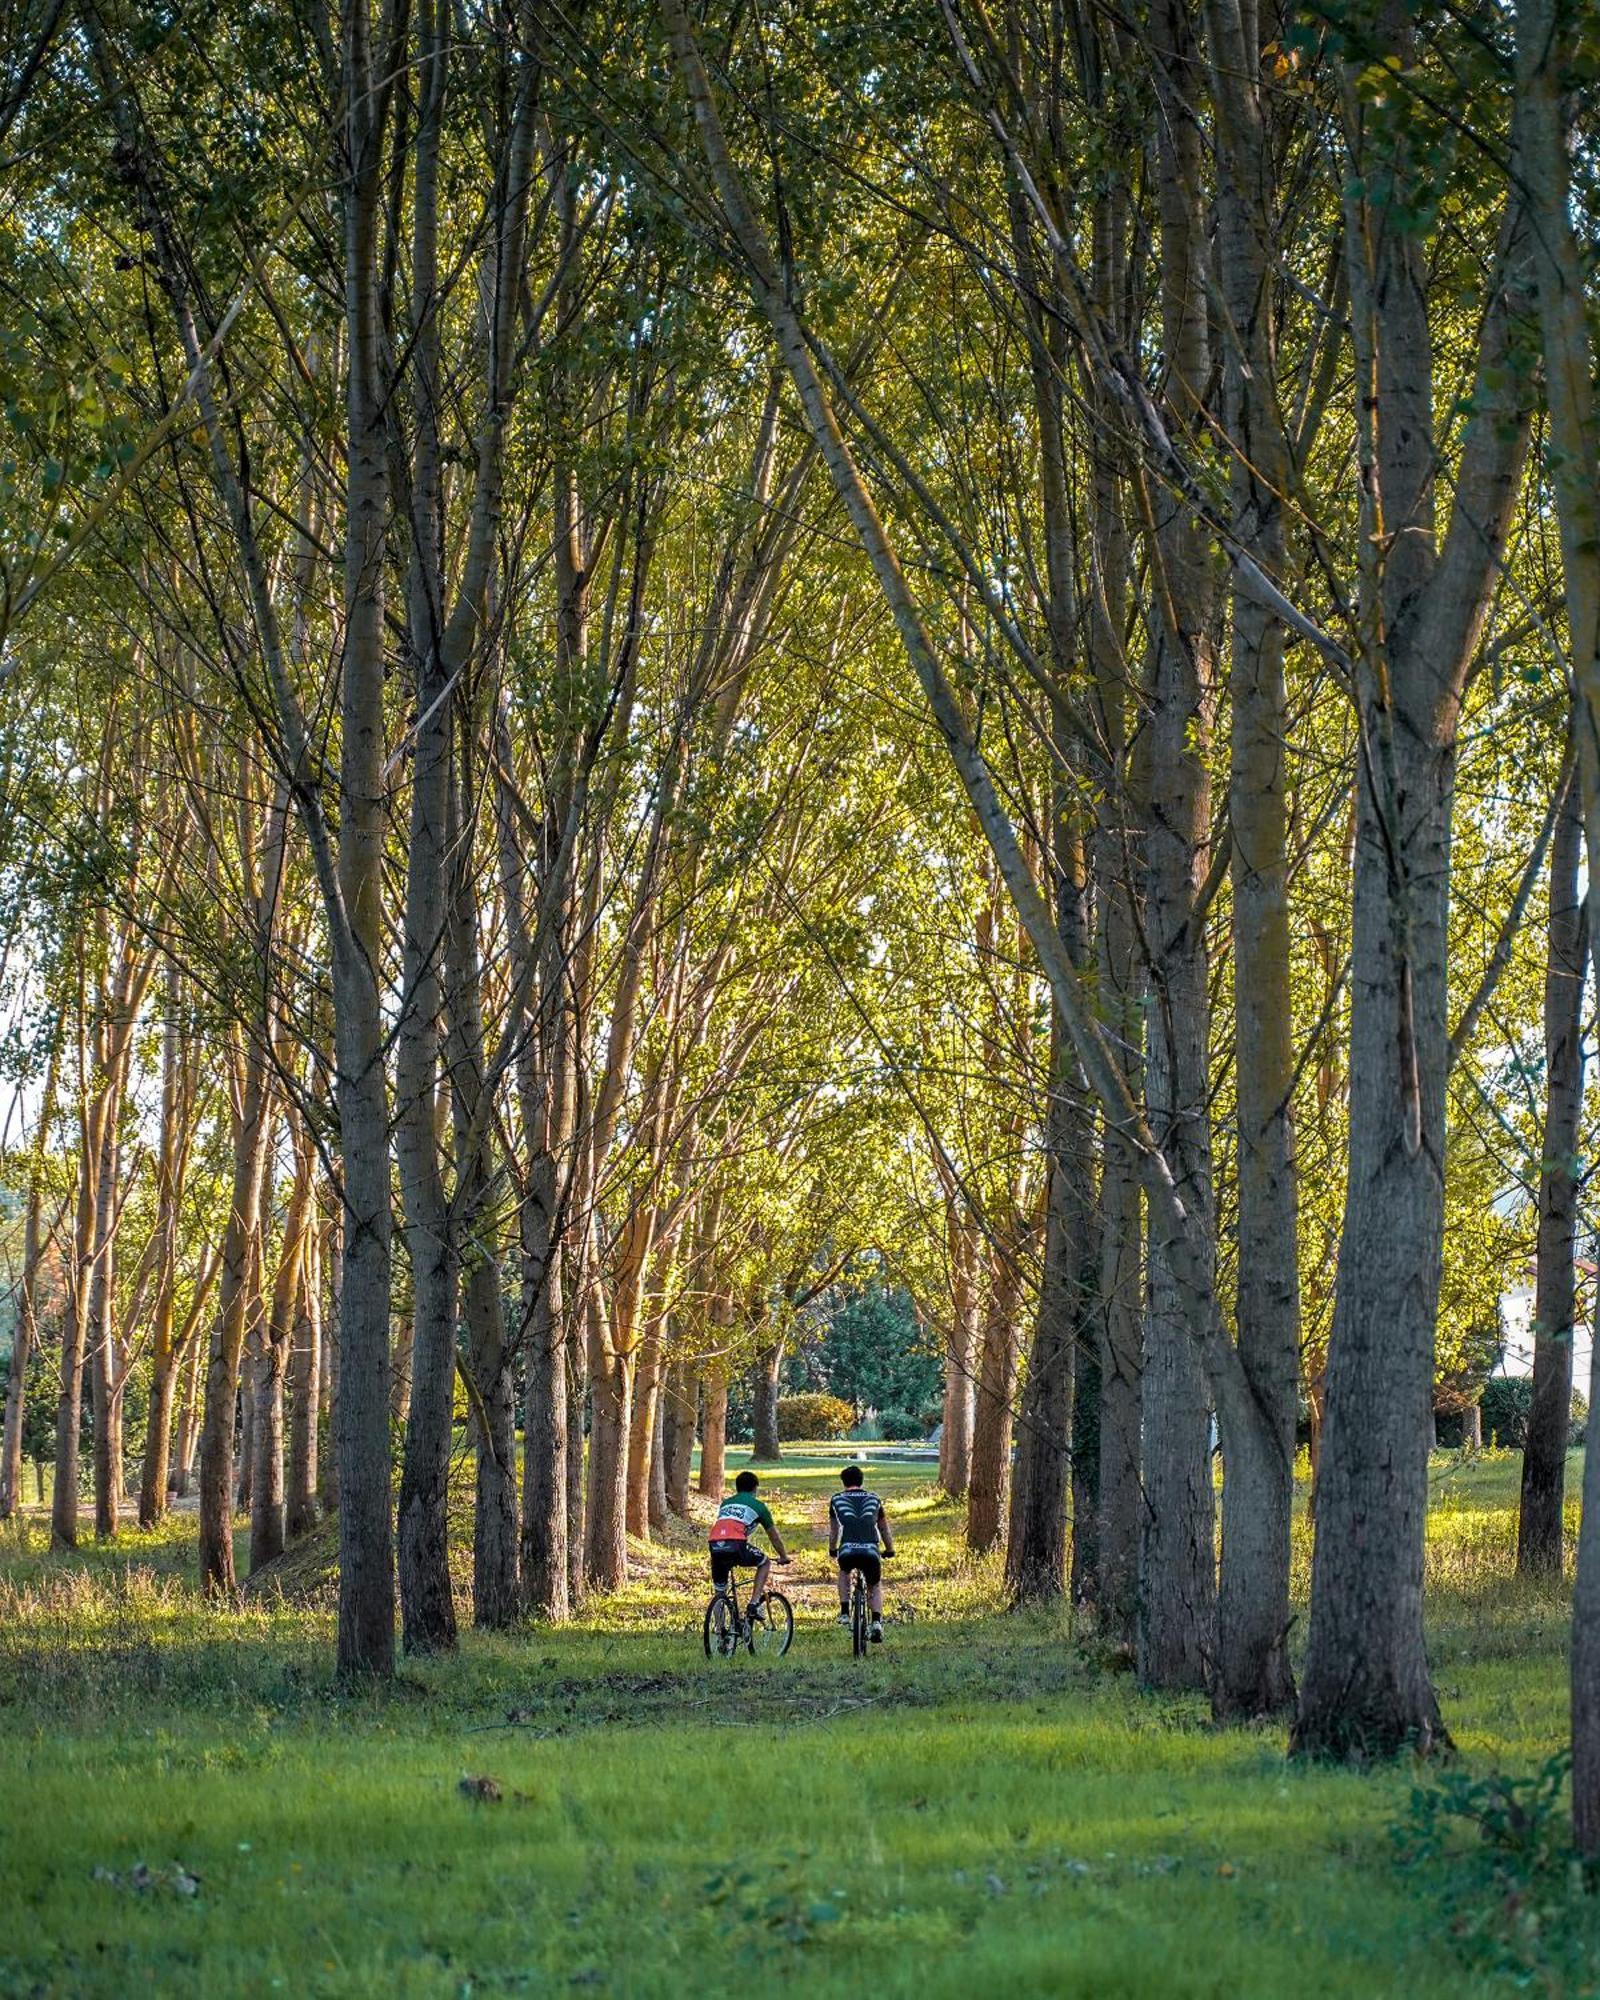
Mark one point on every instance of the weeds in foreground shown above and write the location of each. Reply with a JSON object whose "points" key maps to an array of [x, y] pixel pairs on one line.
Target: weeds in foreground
{"points": [[1493, 1854]]}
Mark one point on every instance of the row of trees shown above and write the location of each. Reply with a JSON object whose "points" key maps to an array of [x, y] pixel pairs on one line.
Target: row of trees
{"points": [[674, 650]]}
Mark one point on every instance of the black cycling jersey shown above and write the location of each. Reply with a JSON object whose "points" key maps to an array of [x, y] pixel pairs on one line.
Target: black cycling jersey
{"points": [[858, 1513]]}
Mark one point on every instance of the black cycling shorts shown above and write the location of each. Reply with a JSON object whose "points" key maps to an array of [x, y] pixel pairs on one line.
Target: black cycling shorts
{"points": [[726, 1557], [865, 1560]]}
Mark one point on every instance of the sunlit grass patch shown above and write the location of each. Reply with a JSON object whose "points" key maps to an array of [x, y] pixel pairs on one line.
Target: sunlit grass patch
{"points": [[1015, 1818]]}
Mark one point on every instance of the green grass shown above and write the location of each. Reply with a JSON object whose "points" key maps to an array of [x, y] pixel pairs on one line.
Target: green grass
{"points": [[982, 1808]]}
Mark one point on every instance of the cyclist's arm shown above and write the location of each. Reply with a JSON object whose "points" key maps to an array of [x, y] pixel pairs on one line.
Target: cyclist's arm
{"points": [[885, 1534], [771, 1527], [833, 1530]]}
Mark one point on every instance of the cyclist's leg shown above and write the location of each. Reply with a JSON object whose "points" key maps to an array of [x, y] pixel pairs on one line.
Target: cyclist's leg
{"points": [[844, 1586], [763, 1571]]}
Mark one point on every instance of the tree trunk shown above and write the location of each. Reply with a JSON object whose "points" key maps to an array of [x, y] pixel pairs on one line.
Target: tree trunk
{"points": [[103, 1330], [305, 1389], [611, 1399], [267, 1506], [1177, 1564], [266, 1495], [188, 1422], [217, 1574], [961, 1352], [1253, 1674], [25, 1336], [658, 1463], [644, 1434], [545, 1413], [366, 1513], [1367, 1689], [681, 1411], [327, 1453], [767, 1375], [714, 1433], [1036, 1545], [1540, 1522], [990, 1479], [576, 1464]]}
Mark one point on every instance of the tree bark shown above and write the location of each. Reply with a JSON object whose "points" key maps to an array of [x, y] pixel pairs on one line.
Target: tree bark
{"points": [[611, 1401], [1367, 1690], [714, 1432], [267, 1501], [217, 1574], [961, 1351], [681, 1412], [1253, 1673], [768, 1373], [1540, 1518], [989, 1485], [1544, 50], [305, 1388], [1177, 1563], [25, 1336]]}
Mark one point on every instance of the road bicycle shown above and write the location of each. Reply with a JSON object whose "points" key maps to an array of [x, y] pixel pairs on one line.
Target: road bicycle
{"points": [[727, 1628], [861, 1612]]}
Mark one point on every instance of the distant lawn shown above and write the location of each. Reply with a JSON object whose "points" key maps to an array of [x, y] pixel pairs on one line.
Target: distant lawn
{"points": [[983, 1808]]}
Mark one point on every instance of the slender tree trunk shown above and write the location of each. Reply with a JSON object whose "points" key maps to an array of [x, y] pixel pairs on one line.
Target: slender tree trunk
{"points": [[305, 1388], [188, 1422], [102, 1325], [74, 1343], [658, 1464], [1540, 1522], [217, 1574], [682, 1409], [327, 1453], [1177, 1563], [961, 1352], [366, 1530], [1253, 1674], [1036, 1544], [714, 1432], [644, 1435], [767, 1376], [25, 1336], [267, 1503], [611, 1400], [1545, 47], [577, 1355], [990, 1480]]}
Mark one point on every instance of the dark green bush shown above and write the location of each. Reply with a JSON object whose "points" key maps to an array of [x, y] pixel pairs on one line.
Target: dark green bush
{"points": [[1505, 1405], [900, 1426]]}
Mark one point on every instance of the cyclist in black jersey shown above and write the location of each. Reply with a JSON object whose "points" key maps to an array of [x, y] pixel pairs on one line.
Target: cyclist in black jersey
{"points": [[858, 1524]]}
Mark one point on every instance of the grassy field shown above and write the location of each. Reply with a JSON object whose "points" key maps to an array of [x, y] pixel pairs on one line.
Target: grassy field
{"points": [[986, 1806]]}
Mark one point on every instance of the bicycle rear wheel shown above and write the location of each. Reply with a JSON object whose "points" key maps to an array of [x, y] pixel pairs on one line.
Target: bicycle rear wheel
{"points": [[772, 1632], [721, 1634], [859, 1618]]}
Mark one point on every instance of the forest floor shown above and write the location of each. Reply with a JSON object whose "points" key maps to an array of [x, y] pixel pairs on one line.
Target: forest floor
{"points": [[985, 1806]]}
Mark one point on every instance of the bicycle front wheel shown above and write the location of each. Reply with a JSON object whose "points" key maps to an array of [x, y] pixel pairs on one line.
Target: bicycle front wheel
{"points": [[774, 1629]]}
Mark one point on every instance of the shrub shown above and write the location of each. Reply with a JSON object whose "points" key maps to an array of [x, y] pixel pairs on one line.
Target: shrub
{"points": [[900, 1426], [813, 1417], [1506, 1402], [1578, 1427]]}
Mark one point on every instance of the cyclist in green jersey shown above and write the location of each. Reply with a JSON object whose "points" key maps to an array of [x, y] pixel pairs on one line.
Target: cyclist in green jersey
{"points": [[739, 1517]]}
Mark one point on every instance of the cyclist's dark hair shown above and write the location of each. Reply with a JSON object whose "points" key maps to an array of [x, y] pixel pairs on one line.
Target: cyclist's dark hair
{"points": [[852, 1475], [747, 1482]]}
